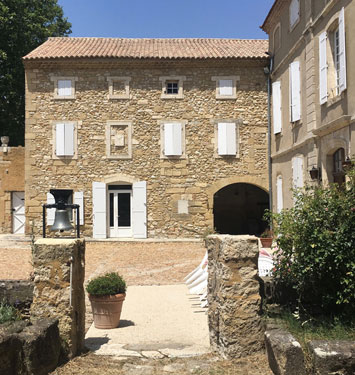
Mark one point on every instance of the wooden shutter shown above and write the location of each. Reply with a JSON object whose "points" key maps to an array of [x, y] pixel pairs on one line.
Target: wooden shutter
{"points": [[172, 139], [60, 139], [227, 143], [64, 87], [69, 139], [79, 199], [276, 107], [139, 209], [295, 91], [279, 195], [50, 211], [323, 68], [297, 171], [225, 87], [99, 209], [342, 54]]}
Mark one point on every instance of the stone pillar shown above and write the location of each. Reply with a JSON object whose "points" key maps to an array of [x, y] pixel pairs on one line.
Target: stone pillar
{"points": [[233, 295], [54, 260]]}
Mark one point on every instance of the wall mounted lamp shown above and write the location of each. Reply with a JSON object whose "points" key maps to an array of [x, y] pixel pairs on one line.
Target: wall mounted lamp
{"points": [[315, 173]]}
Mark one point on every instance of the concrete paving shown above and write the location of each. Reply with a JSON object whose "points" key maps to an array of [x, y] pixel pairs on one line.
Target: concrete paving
{"points": [[156, 322]]}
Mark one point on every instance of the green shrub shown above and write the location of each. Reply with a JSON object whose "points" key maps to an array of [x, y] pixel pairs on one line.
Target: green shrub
{"points": [[8, 313], [108, 284], [316, 239]]}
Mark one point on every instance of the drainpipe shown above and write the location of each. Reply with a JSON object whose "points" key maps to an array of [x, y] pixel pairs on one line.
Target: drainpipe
{"points": [[268, 71]]}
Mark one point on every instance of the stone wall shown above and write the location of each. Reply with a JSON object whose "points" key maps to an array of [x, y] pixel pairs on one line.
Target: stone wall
{"points": [[12, 178], [233, 295], [193, 178], [53, 292], [18, 293]]}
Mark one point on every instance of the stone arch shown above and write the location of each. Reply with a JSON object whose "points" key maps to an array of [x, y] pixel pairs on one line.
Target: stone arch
{"points": [[327, 157], [119, 178]]}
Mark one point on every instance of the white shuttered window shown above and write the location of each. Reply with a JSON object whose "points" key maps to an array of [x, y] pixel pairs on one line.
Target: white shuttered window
{"points": [[173, 139], [323, 68], [279, 195], [342, 54], [99, 209], [64, 87], [276, 107], [79, 199], [297, 171], [139, 209], [295, 91], [226, 87], [50, 211], [64, 134], [227, 142]]}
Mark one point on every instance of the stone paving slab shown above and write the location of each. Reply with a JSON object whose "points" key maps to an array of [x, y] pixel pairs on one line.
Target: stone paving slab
{"points": [[156, 321]]}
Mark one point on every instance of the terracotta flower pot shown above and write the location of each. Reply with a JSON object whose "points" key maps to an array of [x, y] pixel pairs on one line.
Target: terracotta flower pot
{"points": [[266, 241], [107, 310]]}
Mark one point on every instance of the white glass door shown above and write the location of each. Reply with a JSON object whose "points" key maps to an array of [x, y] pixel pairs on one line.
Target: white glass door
{"points": [[120, 213]]}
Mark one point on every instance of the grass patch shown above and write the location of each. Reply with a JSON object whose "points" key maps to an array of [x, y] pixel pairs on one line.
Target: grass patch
{"points": [[8, 313]]}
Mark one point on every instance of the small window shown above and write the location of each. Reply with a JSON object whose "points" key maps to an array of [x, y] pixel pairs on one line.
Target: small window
{"points": [[64, 140], [226, 86], [172, 87], [118, 87], [227, 145], [172, 139], [294, 13], [64, 87]]}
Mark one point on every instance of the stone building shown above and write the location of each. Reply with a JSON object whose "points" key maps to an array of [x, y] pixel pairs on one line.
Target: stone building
{"points": [[12, 188], [312, 45], [156, 137]]}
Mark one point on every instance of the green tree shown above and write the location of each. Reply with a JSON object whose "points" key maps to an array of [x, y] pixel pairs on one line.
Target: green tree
{"points": [[24, 25], [316, 239]]}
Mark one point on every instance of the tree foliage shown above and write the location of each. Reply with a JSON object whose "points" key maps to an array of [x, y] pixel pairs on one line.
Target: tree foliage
{"points": [[24, 25], [316, 242]]}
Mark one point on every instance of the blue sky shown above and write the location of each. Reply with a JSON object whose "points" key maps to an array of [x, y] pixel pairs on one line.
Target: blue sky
{"points": [[167, 18]]}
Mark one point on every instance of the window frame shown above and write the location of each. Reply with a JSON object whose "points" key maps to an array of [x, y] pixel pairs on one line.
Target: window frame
{"points": [[125, 80], [234, 80], [297, 20], [76, 124], [129, 125], [56, 79], [164, 80], [183, 123]]}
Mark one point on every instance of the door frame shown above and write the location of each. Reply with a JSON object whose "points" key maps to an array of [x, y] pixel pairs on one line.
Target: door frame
{"points": [[119, 232]]}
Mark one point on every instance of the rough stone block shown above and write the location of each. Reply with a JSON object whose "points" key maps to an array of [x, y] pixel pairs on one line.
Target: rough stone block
{"points": [[284, 353], [333, 357]]}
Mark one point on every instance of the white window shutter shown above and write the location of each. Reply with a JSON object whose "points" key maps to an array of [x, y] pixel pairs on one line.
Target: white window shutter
{"points": [[297, 171], [276, 107], [99, 209], [226, 87], [342, 54], [64, 87], [79, 199], [60, 139], [139, 209], [323, 68], [295, 91], [50, 211], [279, 195], [227, 144], [172, 139], [69, 139]]}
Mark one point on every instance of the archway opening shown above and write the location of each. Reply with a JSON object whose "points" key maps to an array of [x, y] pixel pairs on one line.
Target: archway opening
{"points": [[239, 209]]}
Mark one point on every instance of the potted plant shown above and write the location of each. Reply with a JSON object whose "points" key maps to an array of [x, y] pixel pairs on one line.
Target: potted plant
{"points": [[266, 238], [106, 294]]}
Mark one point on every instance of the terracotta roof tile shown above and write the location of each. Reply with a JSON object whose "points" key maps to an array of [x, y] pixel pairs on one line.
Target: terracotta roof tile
{"points": [[58, 48]]}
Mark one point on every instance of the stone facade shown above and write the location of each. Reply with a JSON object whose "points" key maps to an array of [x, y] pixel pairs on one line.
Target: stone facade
{"points": [[179, 190], [59, 270], [326, 105], [12, 180], [233, 295]]}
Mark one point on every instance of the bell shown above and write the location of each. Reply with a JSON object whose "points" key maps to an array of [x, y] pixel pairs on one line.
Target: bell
{"points": [[61, 218]]}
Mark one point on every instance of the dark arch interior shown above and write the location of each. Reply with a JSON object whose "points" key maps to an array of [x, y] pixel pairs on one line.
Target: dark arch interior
{"points": [[239, 209]]}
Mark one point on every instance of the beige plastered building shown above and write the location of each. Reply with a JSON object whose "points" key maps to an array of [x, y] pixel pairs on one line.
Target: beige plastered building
{"points": [[157, 138], [312, 46]]}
